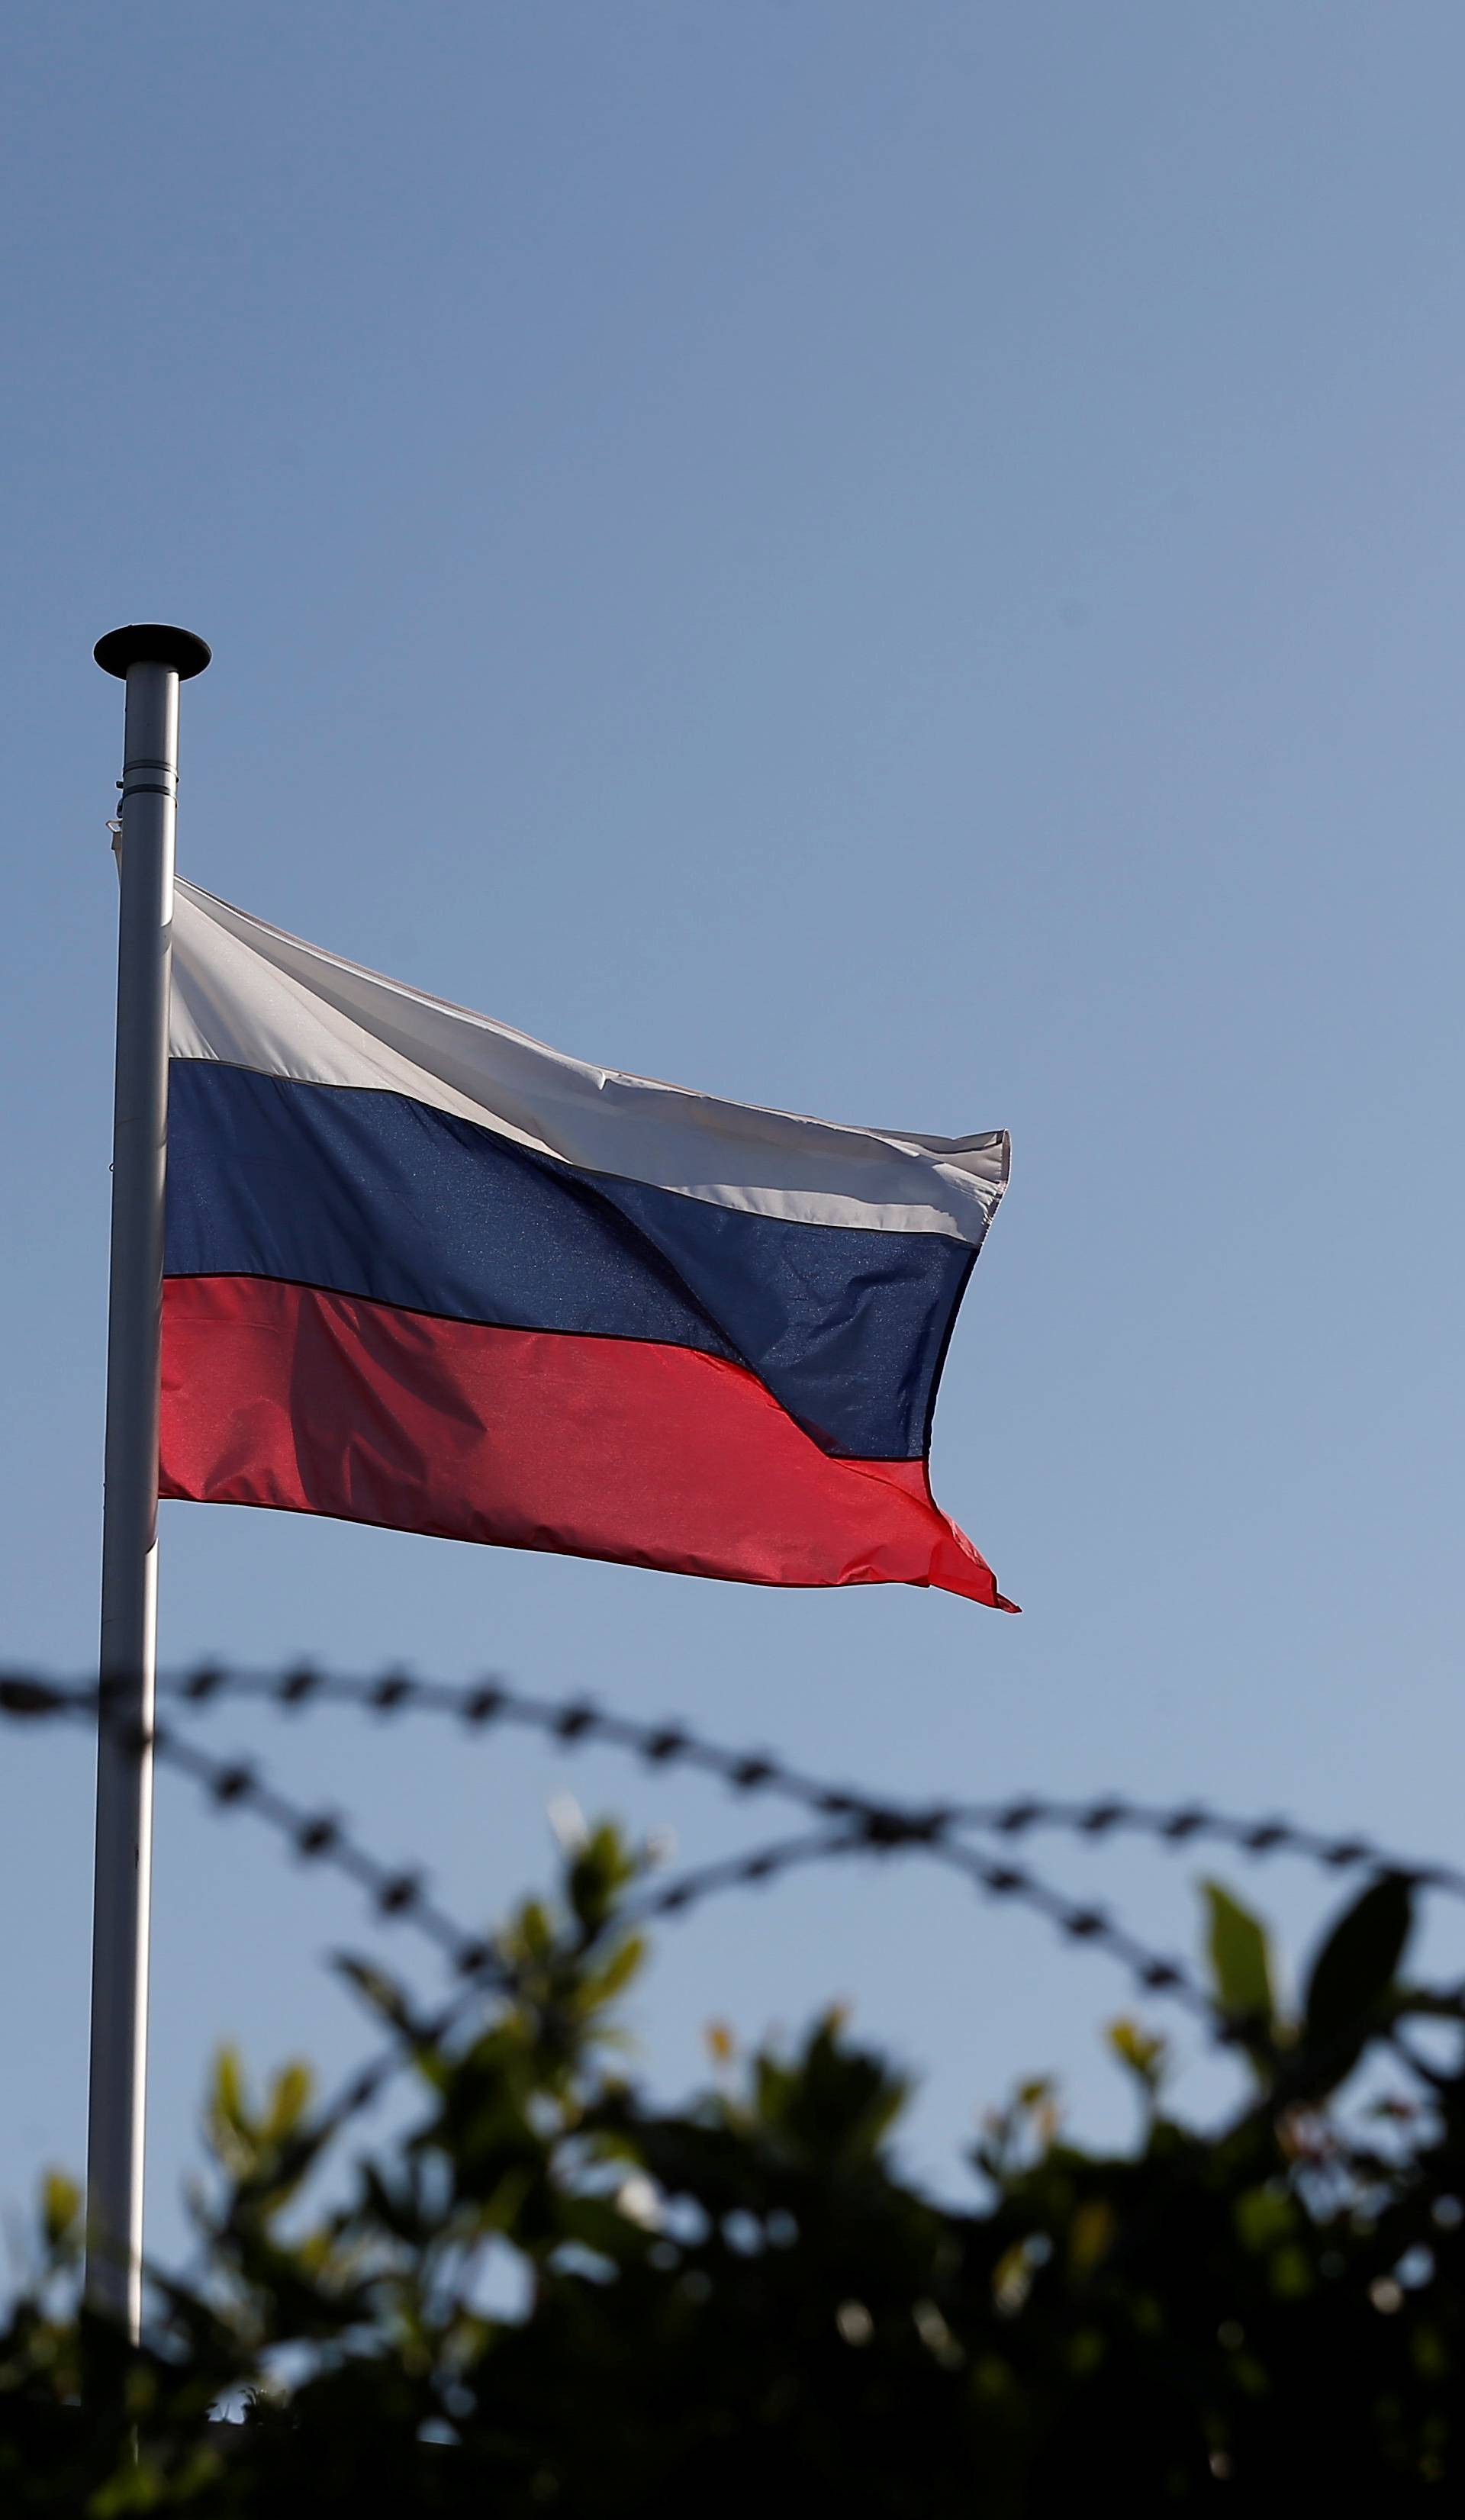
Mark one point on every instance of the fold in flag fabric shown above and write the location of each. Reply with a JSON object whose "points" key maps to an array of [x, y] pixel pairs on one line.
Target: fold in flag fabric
{"points": [[423, 1272]]}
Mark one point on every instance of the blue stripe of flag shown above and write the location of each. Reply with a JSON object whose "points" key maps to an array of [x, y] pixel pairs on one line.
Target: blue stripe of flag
{"points": [[376, 1194]]}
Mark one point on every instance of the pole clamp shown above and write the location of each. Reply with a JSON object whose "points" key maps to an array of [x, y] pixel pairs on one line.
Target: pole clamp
{"points": [[131, 787]]}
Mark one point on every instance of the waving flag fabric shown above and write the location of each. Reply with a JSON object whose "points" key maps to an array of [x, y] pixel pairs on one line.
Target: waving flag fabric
{"points": [[423, 1272]]}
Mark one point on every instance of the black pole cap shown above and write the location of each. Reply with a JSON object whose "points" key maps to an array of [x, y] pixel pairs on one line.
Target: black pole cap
{"points": [[151, 643]]}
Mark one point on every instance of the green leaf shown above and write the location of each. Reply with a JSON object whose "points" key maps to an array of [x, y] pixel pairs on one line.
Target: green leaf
{"points": [[226, 2098], [380, 1993], [1240, 1962], [1143, 2052], [1090, 2233], [1289, 2275], [288, 2102], [61, 2209], [1265, 2217], [1356, 1966], [619, 1969]]}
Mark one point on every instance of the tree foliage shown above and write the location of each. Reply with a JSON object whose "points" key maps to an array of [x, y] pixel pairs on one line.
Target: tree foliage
{"points": [[554, 2296]]}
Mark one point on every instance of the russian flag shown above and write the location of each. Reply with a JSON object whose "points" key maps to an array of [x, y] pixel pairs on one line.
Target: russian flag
{"points": [[423, 1272]]}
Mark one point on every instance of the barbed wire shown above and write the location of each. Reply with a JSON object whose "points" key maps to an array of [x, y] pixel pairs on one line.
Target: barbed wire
{"points": [[863, 1826], [576, 1722], [324, 1838], [314, 1836], [1076, 1921], [855, 1823], [850, 1824]]}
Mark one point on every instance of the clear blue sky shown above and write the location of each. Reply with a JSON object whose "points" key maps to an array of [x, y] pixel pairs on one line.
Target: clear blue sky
{"points": [[901, 560]]}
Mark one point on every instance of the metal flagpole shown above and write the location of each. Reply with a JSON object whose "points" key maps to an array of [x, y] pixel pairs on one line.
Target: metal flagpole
{"points": [[153, 661]]}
